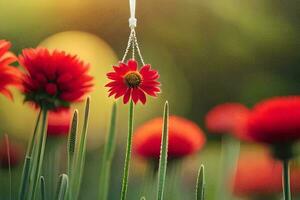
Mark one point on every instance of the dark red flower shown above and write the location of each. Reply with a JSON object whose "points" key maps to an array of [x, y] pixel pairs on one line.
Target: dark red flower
{"points": [[225, 118], [275, 121], [185, 138], [15, 154], [54, 79], [9, 75], [131, 83], [258, 174], [59, 122]]}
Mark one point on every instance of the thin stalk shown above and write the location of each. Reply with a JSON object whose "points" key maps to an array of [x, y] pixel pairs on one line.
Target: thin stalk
{"points": [[286, 180], [71, 151], [33, 138], [43, 188], [200, 186], [62, 187], [128, 152], [80, 159], [40, 155], [162, 169], [229, 155], [25, 178], [6, 140], [108, 155]]}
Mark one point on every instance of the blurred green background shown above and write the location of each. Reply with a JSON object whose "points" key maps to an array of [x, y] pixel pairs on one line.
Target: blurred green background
{"points": [[207, 52]]}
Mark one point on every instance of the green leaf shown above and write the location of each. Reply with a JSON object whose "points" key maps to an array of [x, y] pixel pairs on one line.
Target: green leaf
{"points": [[25, 178], [108, 155], [128, 152], [62, 187], [43, 188], [143, 198], [200, 185], [80, 158], [162, 169]]}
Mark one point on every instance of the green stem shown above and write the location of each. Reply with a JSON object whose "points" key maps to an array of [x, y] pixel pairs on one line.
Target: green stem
{"points": [[229, 155], [40, 154], [109, 149], [33, 138], [286, 180], [128, 152]]}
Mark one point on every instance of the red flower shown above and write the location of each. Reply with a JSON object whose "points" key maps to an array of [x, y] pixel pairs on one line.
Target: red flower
{"points": [[259, 175], [8, 75], [185, 138], [225, 118], [15, 154], [275, 121], [59, 122], [54, 79], [128, 82]]}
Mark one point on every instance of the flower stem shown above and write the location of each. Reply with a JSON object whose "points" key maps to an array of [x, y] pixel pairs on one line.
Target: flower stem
{"points": [[286, 180], [108, 154], [128, 152], [40, 154]]}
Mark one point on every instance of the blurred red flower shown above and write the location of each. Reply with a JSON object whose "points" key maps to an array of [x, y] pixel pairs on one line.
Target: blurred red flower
{"points": [[275, 121], [59, 122], [258, 174], [9, 75], [15, 154], [226, 118], [185, 138], [131, 83], [54, 79]]}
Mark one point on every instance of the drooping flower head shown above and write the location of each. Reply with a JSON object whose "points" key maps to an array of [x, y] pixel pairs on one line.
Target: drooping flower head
{"points": [[54, 79], [185, 138], [9, 75], [131, 83], [226, 118], [59, 122], [259, 175]]}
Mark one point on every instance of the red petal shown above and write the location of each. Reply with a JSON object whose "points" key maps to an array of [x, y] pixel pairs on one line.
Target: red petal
{"points": [[127, 96], [132, 64]]}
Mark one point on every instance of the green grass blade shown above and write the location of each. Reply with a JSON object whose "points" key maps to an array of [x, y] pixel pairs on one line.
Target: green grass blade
{"points": [[62, 187], [80, 159], [128, 152], [25, 178], [200, 185], [108, 155], [40, 155], [71, 151], [43, 188], [162, 169]]}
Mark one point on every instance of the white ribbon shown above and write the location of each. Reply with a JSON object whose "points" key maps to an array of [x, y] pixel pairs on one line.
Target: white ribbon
{"points": [[132, 19]]}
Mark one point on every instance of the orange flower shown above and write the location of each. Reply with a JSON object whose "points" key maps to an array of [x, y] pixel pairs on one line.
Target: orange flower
{"points": [[59, 122], [225, 118], [258, 174], [185, 138], [8, 75]]}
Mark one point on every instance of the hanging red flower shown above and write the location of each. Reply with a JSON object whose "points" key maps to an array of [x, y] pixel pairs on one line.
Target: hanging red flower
{"points": [[185, 138], [54, 79], [59, 122], [226, 118], [131, 83], [258, 174], [9, 75], [275, 121]]}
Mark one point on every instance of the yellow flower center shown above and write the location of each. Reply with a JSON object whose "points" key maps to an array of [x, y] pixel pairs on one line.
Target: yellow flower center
{"points": [[133, 79]]}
